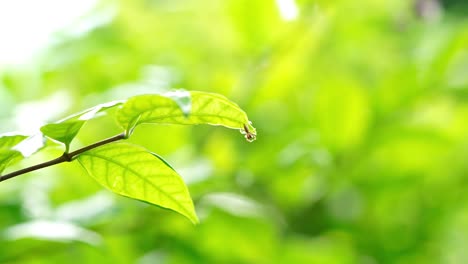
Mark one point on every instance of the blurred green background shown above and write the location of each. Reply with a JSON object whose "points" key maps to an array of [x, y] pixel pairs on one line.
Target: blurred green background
{"points": [[361, 109]]}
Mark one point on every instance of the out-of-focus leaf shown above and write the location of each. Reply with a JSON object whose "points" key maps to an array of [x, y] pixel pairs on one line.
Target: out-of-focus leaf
{"points": [[206, 108], [235, 204], [66, 129], [87, 210], [7, 157], [53, 231], [132, 171]]}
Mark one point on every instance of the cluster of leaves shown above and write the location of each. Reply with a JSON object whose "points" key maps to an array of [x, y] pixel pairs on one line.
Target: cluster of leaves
{"points": [[128, 169], [362, 108]]}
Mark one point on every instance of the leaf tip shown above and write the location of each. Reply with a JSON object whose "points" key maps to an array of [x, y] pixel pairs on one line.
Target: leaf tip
{"points": [[250, 134], [194, 219]]}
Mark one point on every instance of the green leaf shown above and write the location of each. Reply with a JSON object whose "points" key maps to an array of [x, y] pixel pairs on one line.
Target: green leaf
{"points": [[8, 141], [7, 157], [63, 132], [66, 129], [134, 172], [206, 108]]}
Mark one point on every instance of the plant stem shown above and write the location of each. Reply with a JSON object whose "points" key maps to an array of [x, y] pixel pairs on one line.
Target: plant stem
{"points": [[66, 157]]}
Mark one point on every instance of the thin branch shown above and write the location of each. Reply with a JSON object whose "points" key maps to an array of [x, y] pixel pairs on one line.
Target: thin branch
{"points": [[33, 168], [77, 152], [66, 157]]}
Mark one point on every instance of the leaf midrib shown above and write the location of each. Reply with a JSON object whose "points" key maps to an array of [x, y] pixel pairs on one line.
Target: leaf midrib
{"points": [[135, 173]]}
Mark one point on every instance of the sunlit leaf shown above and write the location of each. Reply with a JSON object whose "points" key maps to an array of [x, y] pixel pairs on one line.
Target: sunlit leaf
{"points": [[9, 141], [7, 157], [66, 129], [206, 108], [63, 132], [132, 171]]}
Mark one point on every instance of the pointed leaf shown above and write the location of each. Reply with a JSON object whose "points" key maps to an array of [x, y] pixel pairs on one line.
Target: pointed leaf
{"points": [[206, 108], [66, 129], [132, 171]]}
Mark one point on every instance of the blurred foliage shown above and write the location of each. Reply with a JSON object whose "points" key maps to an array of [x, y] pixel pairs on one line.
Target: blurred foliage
{"points": [[360, 108]]}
